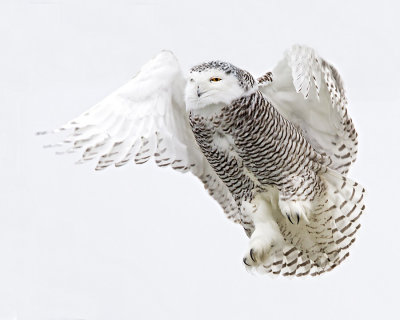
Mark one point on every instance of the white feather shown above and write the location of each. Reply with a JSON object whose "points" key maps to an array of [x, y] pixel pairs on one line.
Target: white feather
{"points": [[146, 118], [308, 91]]}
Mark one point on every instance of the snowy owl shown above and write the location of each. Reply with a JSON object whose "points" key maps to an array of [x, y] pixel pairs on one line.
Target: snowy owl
{"points": [[273, 151]]}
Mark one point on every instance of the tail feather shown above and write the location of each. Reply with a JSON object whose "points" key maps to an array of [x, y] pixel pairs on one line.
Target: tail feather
{"points": [[323, 243]]}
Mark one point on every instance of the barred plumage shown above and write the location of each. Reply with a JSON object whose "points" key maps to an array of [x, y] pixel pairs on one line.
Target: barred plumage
{"points": [[244, 78], [273, 152], [265, 143]]}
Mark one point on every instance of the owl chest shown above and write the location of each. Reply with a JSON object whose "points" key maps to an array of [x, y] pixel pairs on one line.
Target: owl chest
{"points": [[222, 141], [214, 141]]}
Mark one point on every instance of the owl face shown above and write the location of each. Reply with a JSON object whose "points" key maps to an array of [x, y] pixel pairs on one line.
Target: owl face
{"points": [[215, 84], [211, 88]]}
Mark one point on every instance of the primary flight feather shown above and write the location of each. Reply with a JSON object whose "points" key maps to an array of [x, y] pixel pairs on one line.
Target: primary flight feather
{"points": [[274, 152]]}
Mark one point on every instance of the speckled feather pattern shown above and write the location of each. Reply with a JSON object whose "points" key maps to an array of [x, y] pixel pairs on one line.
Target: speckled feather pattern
{"points": [[290, 133], [245, 79], [275, 152], [266, 144], [315, 86]]}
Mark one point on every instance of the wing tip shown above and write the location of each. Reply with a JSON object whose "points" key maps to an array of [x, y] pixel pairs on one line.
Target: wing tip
{"points": [[166, 54]]}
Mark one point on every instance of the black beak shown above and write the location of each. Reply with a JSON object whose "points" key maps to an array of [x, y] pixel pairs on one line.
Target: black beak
{"points": [[198, 92]]}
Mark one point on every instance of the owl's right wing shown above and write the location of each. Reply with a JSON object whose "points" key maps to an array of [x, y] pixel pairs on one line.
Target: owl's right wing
{"points": [[146, 118]]}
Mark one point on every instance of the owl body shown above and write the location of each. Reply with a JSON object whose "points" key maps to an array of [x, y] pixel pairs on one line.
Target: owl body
{"points": [[254, 149], [299, 213], [274, 153]]}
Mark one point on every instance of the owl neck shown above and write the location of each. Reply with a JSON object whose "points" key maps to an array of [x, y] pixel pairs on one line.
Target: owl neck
{"points": [[208, 111], [215, 110]]}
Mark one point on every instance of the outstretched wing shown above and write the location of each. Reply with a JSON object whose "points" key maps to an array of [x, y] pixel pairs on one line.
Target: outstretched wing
{"points": [[308, 91], [146, 118]]}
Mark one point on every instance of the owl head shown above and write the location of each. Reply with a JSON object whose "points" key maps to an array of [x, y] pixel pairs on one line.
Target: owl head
{"points": [[215, 84]]}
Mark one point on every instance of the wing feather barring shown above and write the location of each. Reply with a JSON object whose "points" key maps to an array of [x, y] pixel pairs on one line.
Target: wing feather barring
{"points": [[274, 152]]}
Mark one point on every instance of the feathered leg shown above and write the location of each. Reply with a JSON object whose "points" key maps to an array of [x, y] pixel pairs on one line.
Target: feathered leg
{"points": [[266, 235]]}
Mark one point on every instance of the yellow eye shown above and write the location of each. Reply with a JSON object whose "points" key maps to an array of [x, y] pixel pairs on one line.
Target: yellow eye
{"points": [[215, 79]]}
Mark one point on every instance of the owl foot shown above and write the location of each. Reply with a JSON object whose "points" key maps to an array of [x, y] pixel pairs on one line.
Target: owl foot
{"points": [[296, 211], [266, 237], [260, 248]]}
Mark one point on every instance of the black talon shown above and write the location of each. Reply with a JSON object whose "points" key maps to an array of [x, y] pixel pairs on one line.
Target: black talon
{"points": [[289, 218], [298, 218], [251, 255], [244, 261]]}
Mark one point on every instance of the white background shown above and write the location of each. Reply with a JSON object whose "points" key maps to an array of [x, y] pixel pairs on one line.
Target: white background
{"points": [[141, 242]]}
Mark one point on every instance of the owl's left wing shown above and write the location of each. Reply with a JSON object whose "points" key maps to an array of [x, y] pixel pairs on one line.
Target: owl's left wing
{"points": [[308, 91], [146, 118]]}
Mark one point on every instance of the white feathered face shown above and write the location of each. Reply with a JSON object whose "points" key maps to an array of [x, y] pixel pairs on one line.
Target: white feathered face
{"points": [[211, 89]]}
